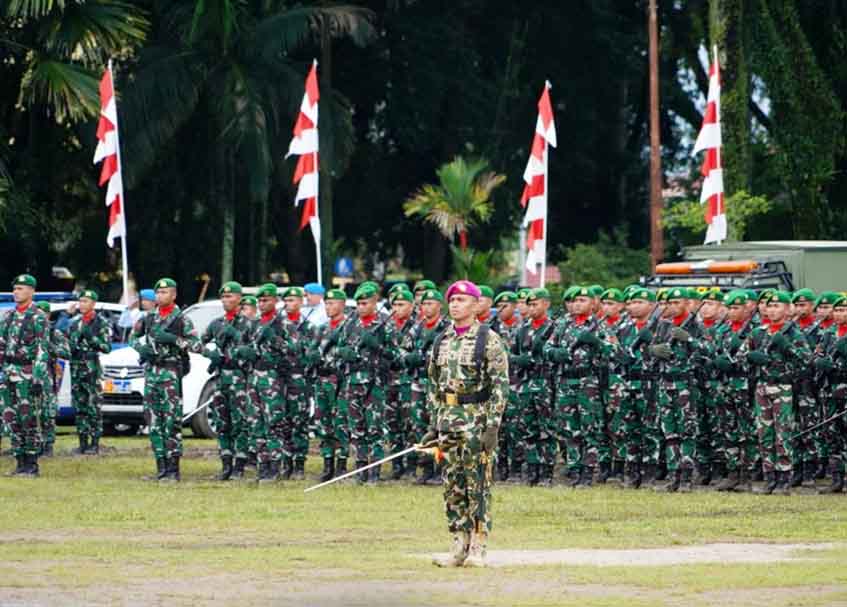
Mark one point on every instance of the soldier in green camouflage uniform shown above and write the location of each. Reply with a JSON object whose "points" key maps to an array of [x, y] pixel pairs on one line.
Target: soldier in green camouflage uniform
{"points": [[612, 302], [300, 332], [24, 350], [228, 410], [511, 451], [168, 336], [486, 301], [469, 373], [59, 349], [88, 338], [535, 393], [398, 389], [361, 343], [417, 346], [578, 351], [780, 351], [330, 409], [710, 457]]}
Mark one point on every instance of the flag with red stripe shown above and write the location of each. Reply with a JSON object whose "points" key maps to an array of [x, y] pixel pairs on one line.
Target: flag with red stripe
{"points": [[107, 151], [709, 139], [305, 145], [534, 198]]}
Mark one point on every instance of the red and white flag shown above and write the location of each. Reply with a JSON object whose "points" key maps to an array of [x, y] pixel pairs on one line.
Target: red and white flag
{"points": [[709, 139], [534, 198], [107, 151], [305, 145]]}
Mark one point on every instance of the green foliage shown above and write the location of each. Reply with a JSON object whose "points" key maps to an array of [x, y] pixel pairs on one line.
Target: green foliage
{"points": [[481, 267], [686, 223], [609, 262]]}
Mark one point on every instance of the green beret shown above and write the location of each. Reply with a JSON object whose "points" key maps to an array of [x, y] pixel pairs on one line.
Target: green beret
{"points": [[571, 292], [764, 294], [695, 292], [713, 294], [267, 290], [432, 295], [400, 286], [372, 285], [365, 291], [750, 293], [165, 283], [44, 306], [780, 297], [401, 295], [630, 288], [27, 280], [523, 293], [89, 293], [294, 292], [230, 287], [642, 293], [507, 297], [676, 293], [662, 294], [581, 292], [336, 294], [249, 300], [735, 298], [595, 290], [613, 295], [423, 285], [539, 293], [803, 296], [486, 291], [840, 302], [827, 297]]}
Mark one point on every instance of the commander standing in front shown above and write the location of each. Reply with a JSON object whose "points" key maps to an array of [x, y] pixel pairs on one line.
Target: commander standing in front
{"points": [[468, 386]]}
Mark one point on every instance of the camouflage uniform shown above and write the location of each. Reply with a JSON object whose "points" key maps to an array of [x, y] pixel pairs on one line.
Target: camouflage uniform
{"points": [[296, 392], [511, 450], [831, 367], [330, 412], [398, 392], [59, 349], [809, 447], [87, 340], [24, 351], [710, 456]]}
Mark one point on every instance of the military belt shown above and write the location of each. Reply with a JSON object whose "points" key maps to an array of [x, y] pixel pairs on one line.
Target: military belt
{"points": [[452, 398]]}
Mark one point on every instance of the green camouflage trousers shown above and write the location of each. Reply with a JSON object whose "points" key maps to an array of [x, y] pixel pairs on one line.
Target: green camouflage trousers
{"points": [[365, 402], [48, 416], [163, 400], [775, 426], [615, 410], [296, 430], [708, 447], [467, 469], [579, 419], [267, 415], [807, 448], [538, 423], [397, 416], [640, 438], [678, 420], [419, 418], [21, 412], [228, 413], [326, 388], [736, 429], [511, 443], [834, 434], [87, 402]]}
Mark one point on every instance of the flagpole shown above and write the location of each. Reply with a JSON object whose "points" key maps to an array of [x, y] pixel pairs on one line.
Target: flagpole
{"points": [[547, 86], [718, 119], [124, 262], [317, 188]]}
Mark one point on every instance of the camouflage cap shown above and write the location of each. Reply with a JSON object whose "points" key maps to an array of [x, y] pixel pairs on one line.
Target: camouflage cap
{"points": [[613, 295], [423, 285], [803, 296], [401, 295], [230, 287], [165, 283], [44, 306], [335, 294], [506, 297], [267, 290], [432, 295], [486, 291], [293, 292], [365, 291], [89, 294], [641, 293], [538, 294], [27, 280], [249, 300]]}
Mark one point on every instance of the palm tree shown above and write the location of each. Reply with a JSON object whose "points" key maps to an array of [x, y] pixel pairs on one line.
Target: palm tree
{"points": [[228, 63], [461, 199]]}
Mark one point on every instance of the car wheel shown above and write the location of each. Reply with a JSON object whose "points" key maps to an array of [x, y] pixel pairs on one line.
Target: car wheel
{"points": [[200, 425]]}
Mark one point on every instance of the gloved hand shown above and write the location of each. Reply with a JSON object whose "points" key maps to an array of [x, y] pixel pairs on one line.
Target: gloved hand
{"points": [[723, 363], [734, 343], [413, 360], [246, 353], [779, 341], [489, 438], [213, 355], [430, 437], [559, 355], [371, 340], [588, 338], [663, 351], [229, 331], [145, 353], [756, 357], [645, 336], [85, 331], [522, 360], [164, 337], [347, 353], [679, 334], [212, 368], [841, 346], [824, 364], [267, 333]]}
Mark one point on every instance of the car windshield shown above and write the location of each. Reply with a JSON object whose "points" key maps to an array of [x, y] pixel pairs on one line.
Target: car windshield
{"points": [[201, 316]]}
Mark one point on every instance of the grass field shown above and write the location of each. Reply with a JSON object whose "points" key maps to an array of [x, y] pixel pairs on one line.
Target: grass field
{"points": [[91, 532]]}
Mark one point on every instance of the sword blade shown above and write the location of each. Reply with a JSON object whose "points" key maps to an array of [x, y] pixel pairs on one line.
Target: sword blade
{"points": [[363, 468], [198, 409]]}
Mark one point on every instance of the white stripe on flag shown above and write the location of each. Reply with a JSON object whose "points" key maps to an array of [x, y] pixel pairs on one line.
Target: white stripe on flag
{"points": [[105, 148], [308, 187], [709, 137], [315, 224], [535, 255], [712, 184], [716, 231], [306, 143], [114, 189], [116, 230], [533, 167], [536, 209], [111, 111], [550, 134]]}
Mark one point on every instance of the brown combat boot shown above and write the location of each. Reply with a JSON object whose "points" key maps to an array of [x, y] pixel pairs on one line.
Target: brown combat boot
{"points": [[458, 552], [477, 550]]}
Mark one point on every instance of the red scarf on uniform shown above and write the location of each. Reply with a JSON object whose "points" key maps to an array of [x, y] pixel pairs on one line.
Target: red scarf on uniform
{"points": [[267, 317], [231, 315], [431, 325], [335, 322], [294, 316], [539, 321], [806, 321], [164, 311], [367, 320], [775, 327], [580, 319], [87, 318], [680, 319]]}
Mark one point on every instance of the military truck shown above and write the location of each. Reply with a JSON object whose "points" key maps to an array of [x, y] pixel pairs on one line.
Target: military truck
{"points": [[820, 265]]}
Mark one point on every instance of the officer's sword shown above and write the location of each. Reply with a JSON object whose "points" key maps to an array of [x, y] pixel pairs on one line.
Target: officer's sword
{"points": [[432, 450], [820, 424], [198, 409]]}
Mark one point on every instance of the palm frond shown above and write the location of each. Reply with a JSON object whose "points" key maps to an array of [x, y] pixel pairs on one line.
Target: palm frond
{"points": [[69, 90], [33, 8]]}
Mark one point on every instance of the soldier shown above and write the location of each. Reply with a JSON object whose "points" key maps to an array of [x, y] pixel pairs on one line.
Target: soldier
{"points": [[780, 351], [229, 407], [824, 309], [361, 345], [417, 346], [300, 332], [88, 338], [710, 458], [58, 349], [419, 289], [536, 435], [578, 352], [24, 351], [469, 373], [614, 388], [486, 301], [330, 409], [398, 388], [808, 446], [521, 306], [249, 309], [506, 325], [169, 337]]}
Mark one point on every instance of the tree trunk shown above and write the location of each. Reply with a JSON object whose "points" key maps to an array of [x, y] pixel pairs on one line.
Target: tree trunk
{"points": [[228, 223], [326, 170], [434, 263]]}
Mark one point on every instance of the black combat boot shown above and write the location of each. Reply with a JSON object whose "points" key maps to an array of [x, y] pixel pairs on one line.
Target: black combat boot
{"points": [[704, 474], [502, 469], [20, 465], [161, 468], [797, 475], [363, 475], [262, 469], [226, 468], [299, 469], [171, 471], [769, 486], [758, 472], [268, 471], [820, 472], [427, 472], [586, 478], [783, 483], [733, 478], [30, 468], [516, 471], [329, 469], [672, 484], [83, 446], [661, 472], [744, 484], [618, 471], [397, 469], [341, 466], [809, 474], [533, 474], [94, 446], [837, 485], [719, 471], [374, 475], [252, 461], [546, 478], [605, 473], [47, 450], [649, 474], [287, 468], [238, 468], [573, 477], [632, 475], [685, 484]]}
